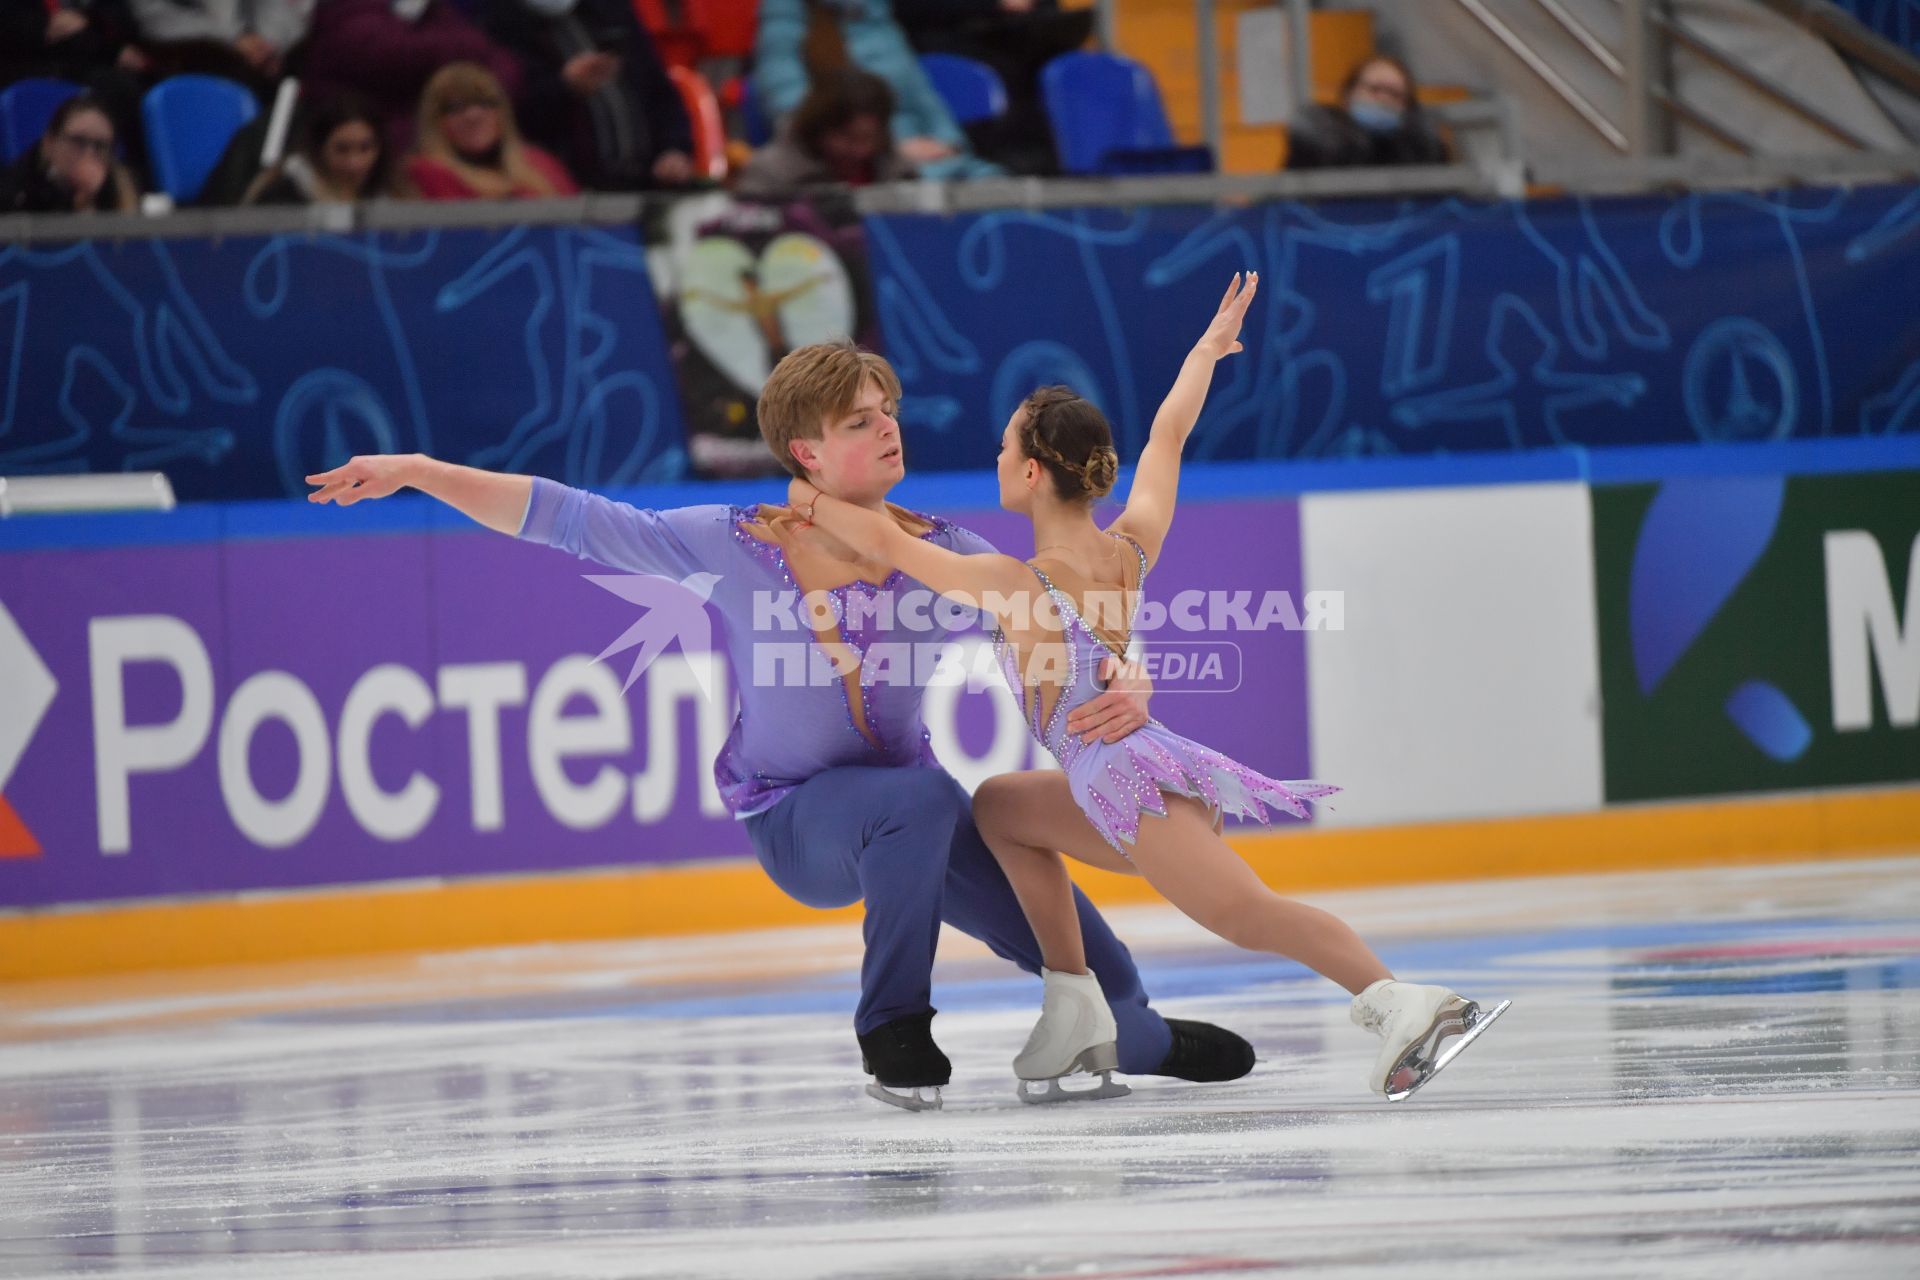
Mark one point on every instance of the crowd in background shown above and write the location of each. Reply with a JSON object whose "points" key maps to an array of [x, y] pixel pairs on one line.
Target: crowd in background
{"points": [[497, 99]]}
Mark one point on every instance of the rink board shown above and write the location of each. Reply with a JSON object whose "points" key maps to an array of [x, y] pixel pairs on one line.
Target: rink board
{"points": [[253, 735], [306, 697]]}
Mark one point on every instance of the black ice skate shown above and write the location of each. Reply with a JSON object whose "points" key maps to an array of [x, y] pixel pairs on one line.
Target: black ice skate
{"points": [[1202, 1051], [901, 1056]]}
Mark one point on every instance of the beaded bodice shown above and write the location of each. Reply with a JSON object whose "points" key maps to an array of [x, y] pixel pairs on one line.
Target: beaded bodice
{"points": [[1054, 676]]}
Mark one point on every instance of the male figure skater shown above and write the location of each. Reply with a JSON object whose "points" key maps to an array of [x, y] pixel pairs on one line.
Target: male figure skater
{"points": [[833, 773]]}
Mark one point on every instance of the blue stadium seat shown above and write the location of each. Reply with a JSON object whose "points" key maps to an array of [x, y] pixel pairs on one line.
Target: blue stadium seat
{"points": [[190, 120], [971, 90], [25, 108], [1107, 118], [753, 121]]}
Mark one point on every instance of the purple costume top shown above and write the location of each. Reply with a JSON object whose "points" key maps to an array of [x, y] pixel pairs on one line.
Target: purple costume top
{"points": [[1114, 783], [786, 731]]}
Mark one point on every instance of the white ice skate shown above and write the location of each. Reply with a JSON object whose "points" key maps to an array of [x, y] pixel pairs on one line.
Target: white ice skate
{"points": [[1422, 1029], [1076, 1032]]}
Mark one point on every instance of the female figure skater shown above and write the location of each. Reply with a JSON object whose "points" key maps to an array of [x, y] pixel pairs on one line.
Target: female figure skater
{"points": [[1150, 804]]}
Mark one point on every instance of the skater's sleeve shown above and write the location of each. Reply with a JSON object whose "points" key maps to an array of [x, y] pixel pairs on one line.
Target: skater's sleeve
{"points": [[672, 543], [965, 541]]}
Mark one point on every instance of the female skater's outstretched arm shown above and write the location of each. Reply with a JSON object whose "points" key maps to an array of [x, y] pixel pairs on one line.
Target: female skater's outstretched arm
{"points": [[879, 538], [1156, 480]]}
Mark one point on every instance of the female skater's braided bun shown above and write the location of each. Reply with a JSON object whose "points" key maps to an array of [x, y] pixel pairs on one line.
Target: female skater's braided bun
{"points": [[1100, 471], [1068, 436]]}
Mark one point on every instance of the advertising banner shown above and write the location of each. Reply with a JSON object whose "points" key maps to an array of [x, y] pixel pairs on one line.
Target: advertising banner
{"points": [[1759, 633], [1464, 684], [295, 707]]}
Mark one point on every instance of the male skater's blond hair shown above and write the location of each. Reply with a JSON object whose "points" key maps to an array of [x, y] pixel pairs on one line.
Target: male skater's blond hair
{"points": [[813, 385]]}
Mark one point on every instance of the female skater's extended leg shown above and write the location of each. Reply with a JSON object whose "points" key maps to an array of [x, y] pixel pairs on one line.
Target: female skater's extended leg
{"points": [[1027, 819], [1189, 865], [1421, 1028], [1186, 861]]}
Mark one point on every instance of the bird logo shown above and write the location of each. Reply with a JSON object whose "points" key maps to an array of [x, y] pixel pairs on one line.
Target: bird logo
{"points": [[675, 611]]}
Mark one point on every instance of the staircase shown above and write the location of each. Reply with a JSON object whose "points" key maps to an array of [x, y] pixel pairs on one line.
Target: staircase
{"points": [[1546, 80], [1742, 77]]}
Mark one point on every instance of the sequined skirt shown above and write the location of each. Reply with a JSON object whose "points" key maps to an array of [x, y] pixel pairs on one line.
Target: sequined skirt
{"points": [[1114, 783]]}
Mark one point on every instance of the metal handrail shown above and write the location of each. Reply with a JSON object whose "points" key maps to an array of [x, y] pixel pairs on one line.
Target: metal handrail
{"points": [[1854, 39], [1740, 70], [1548, 74], [1607, 58], [982, 195]]}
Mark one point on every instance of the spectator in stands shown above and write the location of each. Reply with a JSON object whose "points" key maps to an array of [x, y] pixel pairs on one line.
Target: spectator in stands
{"points": [[242, 40], [71, 169], [66, 39], [470, 148], [1378, 122], [83, 41], [389, 49], [800, 39], [1016, 38], [597, 91], [838, 134], [342, 158]]}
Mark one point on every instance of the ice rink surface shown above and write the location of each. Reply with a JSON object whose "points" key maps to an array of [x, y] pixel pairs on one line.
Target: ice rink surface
{"points": [[1704, 1074]]}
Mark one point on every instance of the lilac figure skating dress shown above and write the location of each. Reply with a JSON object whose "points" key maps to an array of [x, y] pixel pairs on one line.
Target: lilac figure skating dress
{"points": [[1114, 783]]}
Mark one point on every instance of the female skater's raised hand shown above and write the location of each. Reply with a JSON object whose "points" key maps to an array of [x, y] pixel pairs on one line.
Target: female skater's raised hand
{"points": [[1156, 478], [1222, 337]]}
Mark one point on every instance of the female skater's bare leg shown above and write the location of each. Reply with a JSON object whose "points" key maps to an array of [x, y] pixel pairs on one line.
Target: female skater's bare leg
{"points": [[1026, 817]]}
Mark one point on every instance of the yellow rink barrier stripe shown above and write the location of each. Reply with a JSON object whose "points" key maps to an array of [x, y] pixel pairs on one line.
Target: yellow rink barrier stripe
{"points": [[709, 898]]}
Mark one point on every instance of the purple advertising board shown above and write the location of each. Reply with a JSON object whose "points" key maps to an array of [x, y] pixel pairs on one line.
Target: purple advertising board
{"points": [[360, 699]]}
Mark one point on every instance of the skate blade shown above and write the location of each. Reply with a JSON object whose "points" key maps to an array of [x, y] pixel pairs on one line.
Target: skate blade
{"points": [[1426, 1072], [1052, 1090], [917, 1100]]}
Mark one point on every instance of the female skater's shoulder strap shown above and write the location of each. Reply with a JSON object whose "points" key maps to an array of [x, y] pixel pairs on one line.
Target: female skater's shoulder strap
{"points": [[1138, 550]]}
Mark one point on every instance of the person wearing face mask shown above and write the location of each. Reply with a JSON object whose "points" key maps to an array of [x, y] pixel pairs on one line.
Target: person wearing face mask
{"points": [[387, 50], [71, 169], [597, 92], [1379, 122], [342, 158]]}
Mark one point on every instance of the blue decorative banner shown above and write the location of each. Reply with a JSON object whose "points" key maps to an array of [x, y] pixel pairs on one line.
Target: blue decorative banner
{"points": [[1420, 327], [239, 365], [1384, 328]]}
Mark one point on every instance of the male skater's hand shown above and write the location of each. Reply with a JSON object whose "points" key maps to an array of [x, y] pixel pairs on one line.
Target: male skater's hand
{"points": [[1117, 712], [368, 476]]}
